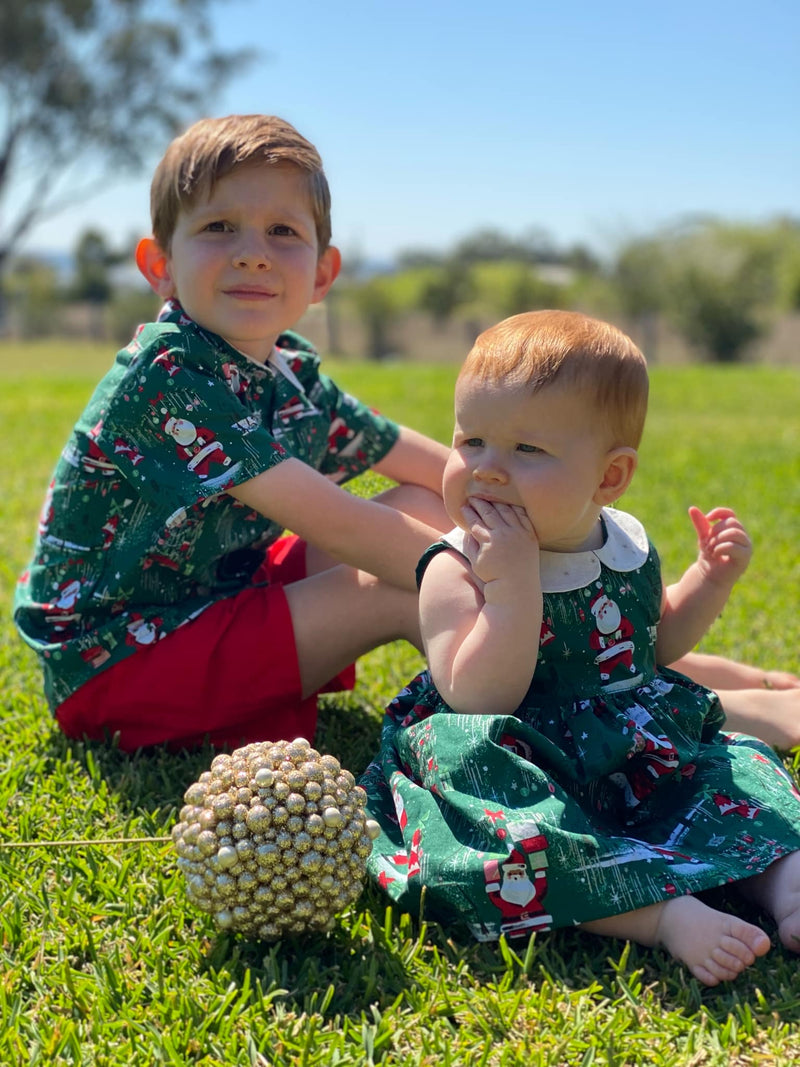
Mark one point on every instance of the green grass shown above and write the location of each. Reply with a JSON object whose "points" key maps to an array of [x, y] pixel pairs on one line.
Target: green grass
{"points": [[104, 962]]}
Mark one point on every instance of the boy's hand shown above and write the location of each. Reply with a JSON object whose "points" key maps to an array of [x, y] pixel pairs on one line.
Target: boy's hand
{"points": [[502, 541], [725, 548]]}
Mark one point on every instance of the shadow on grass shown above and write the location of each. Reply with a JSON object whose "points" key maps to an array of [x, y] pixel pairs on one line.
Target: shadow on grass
{"points": [[378, 957], [151, 782]]}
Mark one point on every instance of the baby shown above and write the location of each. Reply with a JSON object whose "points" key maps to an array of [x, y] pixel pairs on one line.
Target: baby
{"points": [[547, 770]]}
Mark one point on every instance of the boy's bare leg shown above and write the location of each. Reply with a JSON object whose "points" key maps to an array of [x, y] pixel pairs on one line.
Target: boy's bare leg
{"points": [[719, 672], [773, 715], [765, 704], [715, 946], [340, 614], [777, 891]]}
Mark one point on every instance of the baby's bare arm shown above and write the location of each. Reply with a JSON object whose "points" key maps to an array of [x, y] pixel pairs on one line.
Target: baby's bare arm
{"points": [[481, 619], [692, 604]]}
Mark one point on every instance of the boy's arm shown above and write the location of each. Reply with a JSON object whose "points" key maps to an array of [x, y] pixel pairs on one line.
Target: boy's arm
{"points": [[416, 459], [351, 529], [691, 605], [481, 618]]}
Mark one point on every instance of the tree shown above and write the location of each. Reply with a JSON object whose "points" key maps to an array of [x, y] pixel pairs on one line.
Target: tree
{"points": [[527, 292], [93, 259], [89, 87], [377, 309], [450, 286], [715, 282], [92, 282], [638, 279], [32, 291], [720, 285]]}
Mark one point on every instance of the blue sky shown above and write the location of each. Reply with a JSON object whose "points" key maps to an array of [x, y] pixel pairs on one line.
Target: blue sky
{"points": [[594, 121]]}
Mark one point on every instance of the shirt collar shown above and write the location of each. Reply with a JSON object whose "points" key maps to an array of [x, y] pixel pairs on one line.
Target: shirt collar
{"points": [[624, 549], [171, 311]]}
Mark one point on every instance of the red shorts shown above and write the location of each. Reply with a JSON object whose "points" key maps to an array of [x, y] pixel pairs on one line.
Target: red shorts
{"points": [[230, 676]]}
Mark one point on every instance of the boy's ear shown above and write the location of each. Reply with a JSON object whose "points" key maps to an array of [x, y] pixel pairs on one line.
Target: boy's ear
{"points": [[620, 466], [154, 265], [328, 266]]}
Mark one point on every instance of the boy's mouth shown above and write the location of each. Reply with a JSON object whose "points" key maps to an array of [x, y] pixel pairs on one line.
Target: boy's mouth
{"points": [[250, 292]]}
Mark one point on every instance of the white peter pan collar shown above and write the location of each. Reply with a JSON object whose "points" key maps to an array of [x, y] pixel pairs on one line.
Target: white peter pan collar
{"points": [[625, 548]]}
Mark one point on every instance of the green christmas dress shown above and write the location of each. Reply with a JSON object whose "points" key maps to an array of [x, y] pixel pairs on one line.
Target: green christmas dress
{"points": [[609, 789]]}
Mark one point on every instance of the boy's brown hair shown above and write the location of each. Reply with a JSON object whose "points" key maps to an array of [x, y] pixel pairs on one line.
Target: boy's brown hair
{"points": [[539, 348], [212, 148]]}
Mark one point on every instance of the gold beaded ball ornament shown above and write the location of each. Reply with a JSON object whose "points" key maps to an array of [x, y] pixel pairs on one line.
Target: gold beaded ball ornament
{"points": [[273, 839]]}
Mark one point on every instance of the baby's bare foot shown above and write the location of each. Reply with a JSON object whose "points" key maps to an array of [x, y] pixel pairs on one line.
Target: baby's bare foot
{"points": [[777, 890], [715, 946]]}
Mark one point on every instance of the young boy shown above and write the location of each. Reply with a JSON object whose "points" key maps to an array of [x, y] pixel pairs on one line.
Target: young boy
{"points": [[162, 599]]}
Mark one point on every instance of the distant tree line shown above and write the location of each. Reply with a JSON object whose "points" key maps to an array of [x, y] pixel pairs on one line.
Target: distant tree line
{"points": [[719, 285]]}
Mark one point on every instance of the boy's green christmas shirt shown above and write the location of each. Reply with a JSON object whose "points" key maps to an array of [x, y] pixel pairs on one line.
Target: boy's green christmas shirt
{"points": [[137, 534]]}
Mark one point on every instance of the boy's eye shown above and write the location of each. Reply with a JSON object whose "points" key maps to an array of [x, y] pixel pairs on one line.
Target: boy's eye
{"points": [[217, 226], [282, 230]]}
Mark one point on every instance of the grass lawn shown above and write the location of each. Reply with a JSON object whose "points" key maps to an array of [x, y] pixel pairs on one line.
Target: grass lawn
{"points": [[104, 962]]}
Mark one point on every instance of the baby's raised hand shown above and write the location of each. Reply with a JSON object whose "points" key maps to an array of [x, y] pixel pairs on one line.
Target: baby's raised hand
{"points": [[724, 547], [502, 539]]}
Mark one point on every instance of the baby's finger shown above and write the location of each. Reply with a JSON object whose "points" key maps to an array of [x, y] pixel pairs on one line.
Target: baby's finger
{"points": [[523, 518], [732, 534], [513, 515], [700, 522], [471, 516], [718, 514], [471, 547], [487, 510]]}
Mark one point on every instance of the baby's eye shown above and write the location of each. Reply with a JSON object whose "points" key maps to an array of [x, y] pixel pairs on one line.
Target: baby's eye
{"points": [[530, 449], [472, 442]]}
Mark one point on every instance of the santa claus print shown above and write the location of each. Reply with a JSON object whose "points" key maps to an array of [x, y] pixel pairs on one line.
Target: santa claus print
{"points": [[195, 444], [546, 633], [109, 530], [236, 383], [96, 462], [611, 640], [517, 886], [125, 448], [143, 632], [296, 407], [165, 361], [61, 610]]}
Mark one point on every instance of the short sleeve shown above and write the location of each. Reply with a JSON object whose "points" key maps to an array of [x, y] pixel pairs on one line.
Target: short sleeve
{"points": [[179, 434], [359, 436]]}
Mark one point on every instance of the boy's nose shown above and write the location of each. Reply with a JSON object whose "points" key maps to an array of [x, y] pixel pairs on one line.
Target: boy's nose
{"points": [[252, 254]]}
